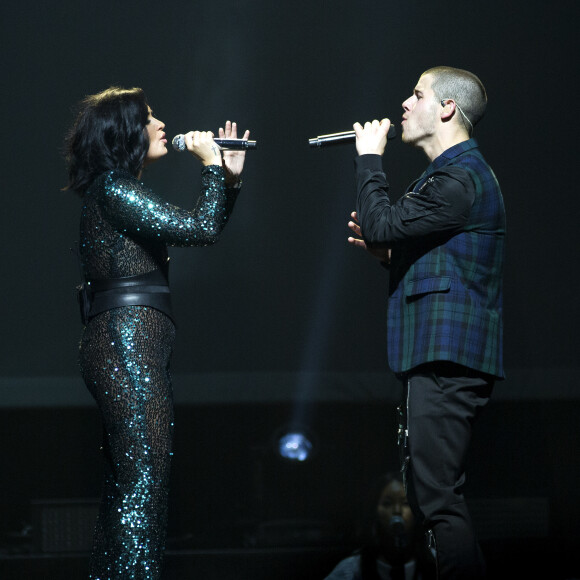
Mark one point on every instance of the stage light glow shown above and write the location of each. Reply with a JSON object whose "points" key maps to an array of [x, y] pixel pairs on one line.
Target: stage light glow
{"points": [[295, 446]]}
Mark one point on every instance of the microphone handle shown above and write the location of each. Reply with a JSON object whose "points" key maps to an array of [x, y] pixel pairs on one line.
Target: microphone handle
{"points": [[178, 143], [344, 137], [236, 144]]}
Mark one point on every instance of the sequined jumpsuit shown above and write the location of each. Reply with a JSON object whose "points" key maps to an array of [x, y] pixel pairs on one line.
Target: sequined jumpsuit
{"points": [[124, 358]]}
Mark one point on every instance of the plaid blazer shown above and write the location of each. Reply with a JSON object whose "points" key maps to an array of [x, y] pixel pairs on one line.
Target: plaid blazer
{"points": [[445, 289], [445, 301]]}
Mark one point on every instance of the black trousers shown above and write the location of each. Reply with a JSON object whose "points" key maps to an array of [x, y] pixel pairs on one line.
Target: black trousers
{"points": [[441, 402]]}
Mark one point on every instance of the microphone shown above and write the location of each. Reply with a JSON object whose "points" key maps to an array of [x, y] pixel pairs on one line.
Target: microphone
{"points": [[344, 137], [397, 529], [178, 143]]}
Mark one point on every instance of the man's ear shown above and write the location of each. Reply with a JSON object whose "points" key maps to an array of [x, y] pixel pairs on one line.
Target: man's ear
{"points": [[448, 109]]}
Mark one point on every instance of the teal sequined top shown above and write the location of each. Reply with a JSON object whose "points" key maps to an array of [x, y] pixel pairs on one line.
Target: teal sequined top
{"points": [[126, 228]]}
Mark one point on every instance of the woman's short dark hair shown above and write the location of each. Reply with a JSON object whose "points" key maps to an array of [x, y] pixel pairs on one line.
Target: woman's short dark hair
{"points": [[108, 133]]}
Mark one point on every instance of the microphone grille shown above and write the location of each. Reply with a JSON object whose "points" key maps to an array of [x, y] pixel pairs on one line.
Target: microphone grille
{"points": [[178, 143]]}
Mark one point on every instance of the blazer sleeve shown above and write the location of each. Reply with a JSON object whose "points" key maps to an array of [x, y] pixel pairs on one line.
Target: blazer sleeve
{"points": [[441, 205]]}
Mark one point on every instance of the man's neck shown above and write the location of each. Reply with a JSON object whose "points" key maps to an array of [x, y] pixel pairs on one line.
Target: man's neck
{"points": [[443, 141]]}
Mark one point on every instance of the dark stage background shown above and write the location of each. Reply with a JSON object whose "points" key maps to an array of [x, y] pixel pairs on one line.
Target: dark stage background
{"points": [[282, 321]]}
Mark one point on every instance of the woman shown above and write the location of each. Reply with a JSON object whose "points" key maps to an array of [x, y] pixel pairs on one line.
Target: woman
{"points": [[390, 549], [125, 302]]}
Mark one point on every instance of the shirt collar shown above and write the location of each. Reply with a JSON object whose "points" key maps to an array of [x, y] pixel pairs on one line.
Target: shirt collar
{"points": [[450, 153]]}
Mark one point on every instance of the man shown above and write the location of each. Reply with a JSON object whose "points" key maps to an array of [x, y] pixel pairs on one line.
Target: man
{"points": [[443, 245]]}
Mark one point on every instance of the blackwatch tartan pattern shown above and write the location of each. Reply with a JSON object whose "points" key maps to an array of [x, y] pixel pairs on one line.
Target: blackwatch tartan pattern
{"points": [[445, 294]]}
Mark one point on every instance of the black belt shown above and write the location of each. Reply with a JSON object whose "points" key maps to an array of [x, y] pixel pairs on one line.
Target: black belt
{"points": [[151, 289]]}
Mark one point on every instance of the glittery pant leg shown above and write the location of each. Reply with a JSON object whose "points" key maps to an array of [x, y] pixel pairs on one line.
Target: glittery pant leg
{"points": [[125, 363]]}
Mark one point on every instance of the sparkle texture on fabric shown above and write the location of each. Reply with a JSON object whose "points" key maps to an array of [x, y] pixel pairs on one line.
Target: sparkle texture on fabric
{"points": [[124, 358]]}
